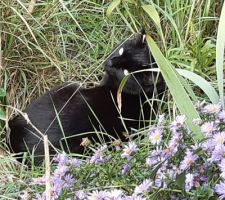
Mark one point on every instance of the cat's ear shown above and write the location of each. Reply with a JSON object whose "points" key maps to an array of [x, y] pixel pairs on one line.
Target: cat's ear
{"points": [[142, 37]]}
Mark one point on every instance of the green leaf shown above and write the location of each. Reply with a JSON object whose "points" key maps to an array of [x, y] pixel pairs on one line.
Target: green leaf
{"points": [[180, 180], [153, 14], [112, 6], [220, 43], [202, 83], [2, 116], [2, 92], [173, 81]]}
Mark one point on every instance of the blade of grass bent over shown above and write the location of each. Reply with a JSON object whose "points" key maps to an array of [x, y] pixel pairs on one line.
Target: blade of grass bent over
{"points": [[174, 84], [220, 43]]}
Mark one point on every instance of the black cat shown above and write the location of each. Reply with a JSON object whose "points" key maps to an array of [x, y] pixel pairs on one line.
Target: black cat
{"points": [[81, 110]]}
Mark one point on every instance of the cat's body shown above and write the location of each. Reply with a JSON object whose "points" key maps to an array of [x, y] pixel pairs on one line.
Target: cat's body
{"points": [[92, 110]]}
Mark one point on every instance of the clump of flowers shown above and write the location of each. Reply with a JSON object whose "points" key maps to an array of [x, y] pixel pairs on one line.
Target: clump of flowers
{"points": [[165, 161]]}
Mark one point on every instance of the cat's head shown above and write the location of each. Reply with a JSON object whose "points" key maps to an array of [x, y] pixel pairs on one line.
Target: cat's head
{"points": [[130, 56]]}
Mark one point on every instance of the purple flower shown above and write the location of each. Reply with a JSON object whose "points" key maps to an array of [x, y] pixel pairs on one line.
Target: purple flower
{"points": [[221, 115], [218, 153], [61, 159], [115, 195], [219, 138], [208, 145], [153, 158], [81, 195], [98, 157], [220, 190], [75, 163], [134, 197], [69, 181], [178, 123], [155, 136], [211, 108], [97, 195], [208, 128], [129, 150], [144, 187], [188, 160], [58, 185], [189, 181], [126, 168], [159, 179], [61, 171]]}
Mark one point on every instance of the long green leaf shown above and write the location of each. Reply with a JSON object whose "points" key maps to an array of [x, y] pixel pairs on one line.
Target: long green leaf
{"points": [[174, 84], [112, 6], [220, 43], [202, 83], [153, 14]]}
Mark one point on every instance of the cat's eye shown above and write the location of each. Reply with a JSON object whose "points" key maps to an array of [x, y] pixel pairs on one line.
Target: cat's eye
{"points": [[121, 51]]}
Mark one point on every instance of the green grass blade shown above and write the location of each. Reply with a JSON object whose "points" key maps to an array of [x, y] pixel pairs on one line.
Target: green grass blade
{"points": [[202, 83], [174, 84], [220, 43], [153, 14], [112, 6]]}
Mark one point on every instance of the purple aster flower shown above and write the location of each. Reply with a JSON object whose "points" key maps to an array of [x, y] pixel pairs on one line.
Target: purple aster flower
{"points": [[115, 195], [218, 153], [144, 187], [203, 178], [126, 168], [61, 159], [40, 196], [188, 160], [155, 136], [75, 163], [153, 158], [211, 108], [221, 115], [178, 123], [129, 150], [208, 128], [219, 138], [69, 181], [98, 157], [159, 179], [97, 195], [134, 197], [208, 145], [189, 181], [61, 171], [220, 190], [80, 195]]}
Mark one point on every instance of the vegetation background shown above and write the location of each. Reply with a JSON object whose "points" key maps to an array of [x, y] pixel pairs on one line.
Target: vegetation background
{"points": [[46, 42]]}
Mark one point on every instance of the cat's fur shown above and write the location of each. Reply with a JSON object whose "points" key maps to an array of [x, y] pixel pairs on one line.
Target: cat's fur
{"points": [[75, 106]]}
